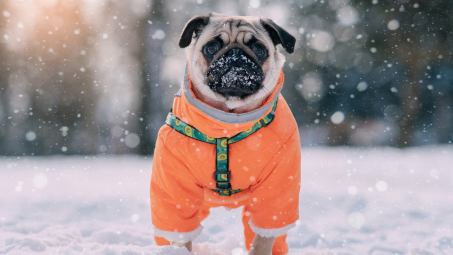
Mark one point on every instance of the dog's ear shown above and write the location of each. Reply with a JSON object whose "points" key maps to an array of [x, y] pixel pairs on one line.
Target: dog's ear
{"points": [[279, 35], [196, 24]]}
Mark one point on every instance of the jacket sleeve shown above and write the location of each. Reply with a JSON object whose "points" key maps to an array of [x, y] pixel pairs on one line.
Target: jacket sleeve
{"points": [[176, 196], [274, 200]]}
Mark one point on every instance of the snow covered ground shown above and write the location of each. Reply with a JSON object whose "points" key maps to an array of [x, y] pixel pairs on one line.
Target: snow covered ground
{"points": [[353, 201]]}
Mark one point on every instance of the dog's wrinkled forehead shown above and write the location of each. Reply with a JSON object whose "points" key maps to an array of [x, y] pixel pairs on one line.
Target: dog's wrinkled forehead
{"points": [[234, 29]]}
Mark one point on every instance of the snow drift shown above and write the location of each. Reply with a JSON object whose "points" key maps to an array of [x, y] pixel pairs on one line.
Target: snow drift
{"points": [[353, 201]]}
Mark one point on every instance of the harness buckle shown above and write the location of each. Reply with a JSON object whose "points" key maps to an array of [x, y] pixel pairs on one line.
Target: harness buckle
{"points": [[221, 176]]}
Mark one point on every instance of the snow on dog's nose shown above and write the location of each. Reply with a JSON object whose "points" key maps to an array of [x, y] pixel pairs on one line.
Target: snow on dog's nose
{"points": [[235, 74]]}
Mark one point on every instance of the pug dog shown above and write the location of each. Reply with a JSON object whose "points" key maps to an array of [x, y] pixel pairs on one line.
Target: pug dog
{"points": [[234, 66], [220, 37]]}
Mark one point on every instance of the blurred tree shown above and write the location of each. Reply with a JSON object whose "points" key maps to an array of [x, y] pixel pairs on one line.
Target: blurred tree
{"points": [[154, 89], [65, 81], [412, 35], [54, 73], [5, 62], [125, 23], [146, 135], [369, 60]]}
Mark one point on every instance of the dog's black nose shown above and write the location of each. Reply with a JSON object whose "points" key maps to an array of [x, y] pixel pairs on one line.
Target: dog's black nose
{"points": [[234, 74], [235, 52]]}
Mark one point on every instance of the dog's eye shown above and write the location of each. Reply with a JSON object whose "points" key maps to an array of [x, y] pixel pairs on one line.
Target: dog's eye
{"points": [[259, 50], [212, 49]]}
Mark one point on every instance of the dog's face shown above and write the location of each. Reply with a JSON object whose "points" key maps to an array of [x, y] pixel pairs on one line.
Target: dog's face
{"points": [[234, 63]]}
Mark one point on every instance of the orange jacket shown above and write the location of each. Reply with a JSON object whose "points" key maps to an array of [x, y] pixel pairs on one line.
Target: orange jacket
{"points": [[266, 164]]}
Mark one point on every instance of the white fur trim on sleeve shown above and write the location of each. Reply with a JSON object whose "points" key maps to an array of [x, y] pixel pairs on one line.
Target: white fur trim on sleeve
{"points": [[180, 237], [271, 232]]}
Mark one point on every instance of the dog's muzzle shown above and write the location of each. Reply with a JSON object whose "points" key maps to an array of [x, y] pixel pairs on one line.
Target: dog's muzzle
{"points": [[235, 73]]}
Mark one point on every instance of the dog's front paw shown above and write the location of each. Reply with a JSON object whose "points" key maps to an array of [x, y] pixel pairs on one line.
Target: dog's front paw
{"points": [[262, 245], [188, 245]]}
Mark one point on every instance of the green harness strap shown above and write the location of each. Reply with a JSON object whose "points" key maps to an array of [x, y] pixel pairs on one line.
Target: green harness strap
{"points": [[222, 174]]}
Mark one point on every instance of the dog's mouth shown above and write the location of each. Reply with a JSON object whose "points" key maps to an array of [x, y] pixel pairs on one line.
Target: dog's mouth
{"points": [[234, 74]]}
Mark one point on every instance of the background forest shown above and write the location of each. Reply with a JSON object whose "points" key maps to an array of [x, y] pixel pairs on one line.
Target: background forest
{"points": [[89, 77]]}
